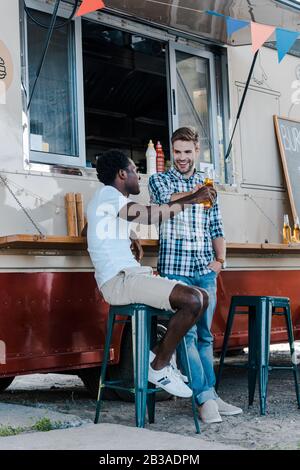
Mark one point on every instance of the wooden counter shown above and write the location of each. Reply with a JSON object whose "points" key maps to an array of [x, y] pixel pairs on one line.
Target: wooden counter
{"points": [[64, 245]]}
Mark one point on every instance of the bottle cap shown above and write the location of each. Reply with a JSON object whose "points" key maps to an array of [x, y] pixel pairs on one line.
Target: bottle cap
{"points": [[286, 219]]}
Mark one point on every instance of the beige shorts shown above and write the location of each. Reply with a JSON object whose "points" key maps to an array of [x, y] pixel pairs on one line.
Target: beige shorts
{"points": [[139, 286]]}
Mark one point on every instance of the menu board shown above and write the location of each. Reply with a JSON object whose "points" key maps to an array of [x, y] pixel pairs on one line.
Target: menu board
{"points": [[288, 136]]}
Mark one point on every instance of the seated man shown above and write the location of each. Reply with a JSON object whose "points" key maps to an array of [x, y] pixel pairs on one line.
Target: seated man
{"points": [[121, 278]]}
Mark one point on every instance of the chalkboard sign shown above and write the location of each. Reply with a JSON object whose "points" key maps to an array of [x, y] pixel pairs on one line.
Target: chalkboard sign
{"points": [[288, 135]]}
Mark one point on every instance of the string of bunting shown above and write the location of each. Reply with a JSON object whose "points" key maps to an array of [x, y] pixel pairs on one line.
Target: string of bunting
{"points": [[260, 33]]}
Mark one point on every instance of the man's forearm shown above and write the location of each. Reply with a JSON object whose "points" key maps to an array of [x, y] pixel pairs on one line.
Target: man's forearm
{"points": [[149, 215], [177, 196], [219, 246]]}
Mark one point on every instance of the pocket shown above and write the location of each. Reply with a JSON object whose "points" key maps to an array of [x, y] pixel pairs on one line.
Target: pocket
{"points": [[137, 270], [212, 273]]}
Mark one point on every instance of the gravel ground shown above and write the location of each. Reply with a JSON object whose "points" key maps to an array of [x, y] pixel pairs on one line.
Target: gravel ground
{"points": [[279, 429]]}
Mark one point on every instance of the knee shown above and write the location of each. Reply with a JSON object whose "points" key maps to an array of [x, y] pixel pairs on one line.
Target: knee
{"points": [[198, 302]]}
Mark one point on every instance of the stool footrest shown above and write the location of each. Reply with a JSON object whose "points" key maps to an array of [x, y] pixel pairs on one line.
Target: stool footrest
{"points": [[125, 387]]}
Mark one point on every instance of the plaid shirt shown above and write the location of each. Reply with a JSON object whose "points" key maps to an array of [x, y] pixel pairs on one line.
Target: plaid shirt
{"points": [[186, 240]]}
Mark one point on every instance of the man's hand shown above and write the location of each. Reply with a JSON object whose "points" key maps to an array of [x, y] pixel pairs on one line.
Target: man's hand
{"points": [[3, 72], [215, 266], [202, 194], [137, 249]]}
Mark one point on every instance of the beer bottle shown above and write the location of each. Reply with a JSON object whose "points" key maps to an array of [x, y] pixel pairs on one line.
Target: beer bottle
{"points": [[296, 234], [287, 232], [208, 181]]}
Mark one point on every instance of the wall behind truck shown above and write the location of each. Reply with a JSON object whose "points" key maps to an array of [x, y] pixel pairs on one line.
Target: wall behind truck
{"points": [[253, 211]]}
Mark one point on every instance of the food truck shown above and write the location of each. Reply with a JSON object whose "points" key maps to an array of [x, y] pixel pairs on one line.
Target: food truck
{"points": [[116, 78]]}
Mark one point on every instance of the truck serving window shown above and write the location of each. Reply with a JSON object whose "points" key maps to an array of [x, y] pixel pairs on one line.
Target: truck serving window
{"points": [[53, 122]]}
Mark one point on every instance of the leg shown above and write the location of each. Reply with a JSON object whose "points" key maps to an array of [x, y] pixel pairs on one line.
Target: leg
{"points": [[252, 360], [110, 327], [141, 338], [201, 388], [225, 342], [263, 331], [188, 371], [151, 396], [202, 391], [189, 304], [289, 326], [205, 337]]}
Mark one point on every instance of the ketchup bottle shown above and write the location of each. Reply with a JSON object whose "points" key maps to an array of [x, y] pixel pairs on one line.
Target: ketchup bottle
{"points": [[160, 158]]}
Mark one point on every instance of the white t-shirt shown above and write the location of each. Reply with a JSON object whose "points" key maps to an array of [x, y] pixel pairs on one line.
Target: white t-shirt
{"points": [[108, 235]]}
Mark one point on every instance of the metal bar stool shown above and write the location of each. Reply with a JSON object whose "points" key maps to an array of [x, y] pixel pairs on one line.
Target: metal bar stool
{"points": [[260, 312], [143, 320]]}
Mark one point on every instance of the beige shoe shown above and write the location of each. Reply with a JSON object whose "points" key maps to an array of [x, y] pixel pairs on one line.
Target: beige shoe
{"points": [[209, 413], [226, 409]]}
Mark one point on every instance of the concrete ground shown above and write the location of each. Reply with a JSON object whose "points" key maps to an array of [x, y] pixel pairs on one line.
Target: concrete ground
{"points": [[106, 437], [57, 402]]}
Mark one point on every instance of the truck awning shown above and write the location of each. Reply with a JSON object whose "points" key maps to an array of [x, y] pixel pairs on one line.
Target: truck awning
{"points": [[188, 17]]}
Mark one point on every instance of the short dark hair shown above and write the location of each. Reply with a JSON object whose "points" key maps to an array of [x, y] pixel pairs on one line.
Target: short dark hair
{"points": [[187, 134], [108, 165]]}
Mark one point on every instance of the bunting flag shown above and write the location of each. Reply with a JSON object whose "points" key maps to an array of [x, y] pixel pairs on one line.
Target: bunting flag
{"points": [[213, 13], [285, 40], [235, 25], [260, 34], [88, 6]]}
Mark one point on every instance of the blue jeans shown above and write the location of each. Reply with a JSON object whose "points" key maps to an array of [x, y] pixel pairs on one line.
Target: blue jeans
{"points": [[199, 339]]}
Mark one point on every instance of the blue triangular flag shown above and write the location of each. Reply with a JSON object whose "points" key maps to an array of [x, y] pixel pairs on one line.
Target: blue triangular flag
{"points": [[234, 25], [213, 13], [285, 40]]}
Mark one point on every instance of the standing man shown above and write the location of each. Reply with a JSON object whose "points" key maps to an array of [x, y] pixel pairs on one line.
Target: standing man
{"points": [[192, 250]]}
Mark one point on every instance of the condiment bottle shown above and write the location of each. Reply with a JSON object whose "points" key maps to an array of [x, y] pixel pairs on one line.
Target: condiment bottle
{"points": [[160, 158]]}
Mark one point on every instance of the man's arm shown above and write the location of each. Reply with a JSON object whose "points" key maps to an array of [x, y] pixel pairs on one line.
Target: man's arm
{"points": [[219, 246], [149, 215], [177, 196]]}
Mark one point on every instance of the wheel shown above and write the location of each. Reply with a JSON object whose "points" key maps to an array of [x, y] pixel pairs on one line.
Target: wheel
{"points": [[124, 370], [90, 377], [5, 383]]}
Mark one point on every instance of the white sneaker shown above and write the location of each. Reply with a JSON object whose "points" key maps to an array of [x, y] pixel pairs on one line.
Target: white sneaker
{"points": [[173, 363], [226, 409], [209, 413], [167, 380]]}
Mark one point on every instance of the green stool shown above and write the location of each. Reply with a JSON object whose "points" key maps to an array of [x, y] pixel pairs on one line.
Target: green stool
{"points": [[143, 320], [260, 312]]}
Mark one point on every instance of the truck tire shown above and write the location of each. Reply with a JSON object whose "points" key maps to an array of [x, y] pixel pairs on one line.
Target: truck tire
{"points": [[5, 383], [90, 377]]}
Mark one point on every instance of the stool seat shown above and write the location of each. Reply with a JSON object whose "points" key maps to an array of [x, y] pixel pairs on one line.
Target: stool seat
{"points": [[143, 319], [260, 312]]}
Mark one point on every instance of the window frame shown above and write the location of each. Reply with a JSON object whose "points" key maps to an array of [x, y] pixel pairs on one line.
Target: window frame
{"points": [[193, 52], [33, 158]]}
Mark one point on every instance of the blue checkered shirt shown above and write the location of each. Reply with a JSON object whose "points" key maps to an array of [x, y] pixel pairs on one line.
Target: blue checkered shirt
{"points": [[186, 240]]}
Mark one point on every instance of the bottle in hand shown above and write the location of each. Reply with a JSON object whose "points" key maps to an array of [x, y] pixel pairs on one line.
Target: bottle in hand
{"points": [[208, 181]]}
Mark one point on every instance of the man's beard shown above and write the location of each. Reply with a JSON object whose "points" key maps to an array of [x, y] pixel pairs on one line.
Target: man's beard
{"points": [[190, 167]]}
